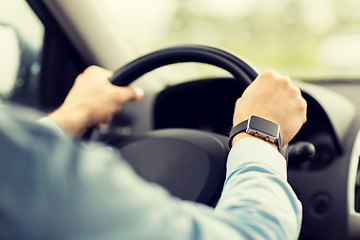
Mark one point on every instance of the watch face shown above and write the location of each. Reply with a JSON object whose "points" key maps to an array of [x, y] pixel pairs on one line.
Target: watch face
{"points": [[264, 126]]}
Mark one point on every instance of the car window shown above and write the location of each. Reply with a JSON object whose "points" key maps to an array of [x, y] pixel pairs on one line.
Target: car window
{"points": [[21, 34], [302, 38]]}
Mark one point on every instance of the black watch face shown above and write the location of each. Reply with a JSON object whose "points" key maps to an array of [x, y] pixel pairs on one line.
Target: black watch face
{"points": [[264, 126]]}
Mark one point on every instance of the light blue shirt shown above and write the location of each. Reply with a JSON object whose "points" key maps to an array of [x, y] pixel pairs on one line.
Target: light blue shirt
{"points": [[54, 188]]}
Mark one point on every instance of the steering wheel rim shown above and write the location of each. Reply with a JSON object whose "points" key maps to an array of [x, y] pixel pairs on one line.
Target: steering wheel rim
{"points": [[237, 67]]}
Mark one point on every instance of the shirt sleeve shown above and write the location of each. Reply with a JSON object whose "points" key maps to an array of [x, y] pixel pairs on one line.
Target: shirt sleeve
{"points": [[256, 191], [56, 189], [50, 124], [111, 201]]}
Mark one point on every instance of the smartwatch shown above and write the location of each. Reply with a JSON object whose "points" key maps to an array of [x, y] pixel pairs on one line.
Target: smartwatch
{"points": [[258, 127]]}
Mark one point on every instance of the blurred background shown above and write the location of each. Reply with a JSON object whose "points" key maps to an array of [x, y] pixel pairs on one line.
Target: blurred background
{"points": [[305, 39], [21, 40]]}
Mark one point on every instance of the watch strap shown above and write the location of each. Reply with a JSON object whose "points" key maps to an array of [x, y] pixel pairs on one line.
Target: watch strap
{"points": [[241, 127]]}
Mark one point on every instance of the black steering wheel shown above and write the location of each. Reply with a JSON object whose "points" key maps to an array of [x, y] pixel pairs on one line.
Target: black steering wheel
{"points": [[190, 164]]}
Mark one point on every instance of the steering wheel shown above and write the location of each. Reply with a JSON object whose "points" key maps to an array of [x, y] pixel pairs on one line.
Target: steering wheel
{"points": [[190, 164]]}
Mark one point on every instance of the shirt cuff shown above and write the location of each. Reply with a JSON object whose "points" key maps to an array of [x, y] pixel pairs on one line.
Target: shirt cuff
{"points": [[47, 122], [255, 151]]}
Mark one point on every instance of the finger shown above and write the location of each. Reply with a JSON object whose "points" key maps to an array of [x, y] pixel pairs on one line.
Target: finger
{"points": [[295, 91], [108, 119], [100, 126], [104, 123], [139, 93], [130, 93], [269, 74], [108, 74]]}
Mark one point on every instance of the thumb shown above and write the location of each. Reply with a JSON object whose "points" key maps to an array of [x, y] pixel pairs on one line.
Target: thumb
{"points": [[130, 93]]}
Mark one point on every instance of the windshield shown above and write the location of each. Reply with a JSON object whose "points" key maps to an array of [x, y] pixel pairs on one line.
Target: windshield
{"points": [[305, 39]]}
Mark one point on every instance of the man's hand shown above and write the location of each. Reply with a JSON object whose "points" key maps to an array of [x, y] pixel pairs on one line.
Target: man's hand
{"points": [[92, 101], [275, 98]]}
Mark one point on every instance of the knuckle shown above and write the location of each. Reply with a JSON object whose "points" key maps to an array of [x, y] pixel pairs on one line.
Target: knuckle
{"points": [[237, 103], [268, 73], [295, 91], [285, 81], [91, 69], [80, 77], [302, 106]]}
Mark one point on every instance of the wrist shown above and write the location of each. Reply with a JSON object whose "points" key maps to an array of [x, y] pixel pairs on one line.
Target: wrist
{"points": [[73, 122], [243, 135]]}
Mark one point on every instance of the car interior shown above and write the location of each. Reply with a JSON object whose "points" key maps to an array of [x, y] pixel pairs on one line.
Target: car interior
{"points": [[194, 59]]}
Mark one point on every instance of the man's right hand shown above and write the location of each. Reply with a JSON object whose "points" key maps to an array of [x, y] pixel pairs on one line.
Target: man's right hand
{"points": [[273, 97]]}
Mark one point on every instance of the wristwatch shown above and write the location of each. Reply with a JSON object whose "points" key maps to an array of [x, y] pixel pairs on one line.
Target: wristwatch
{"points": [[258, 127]]}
